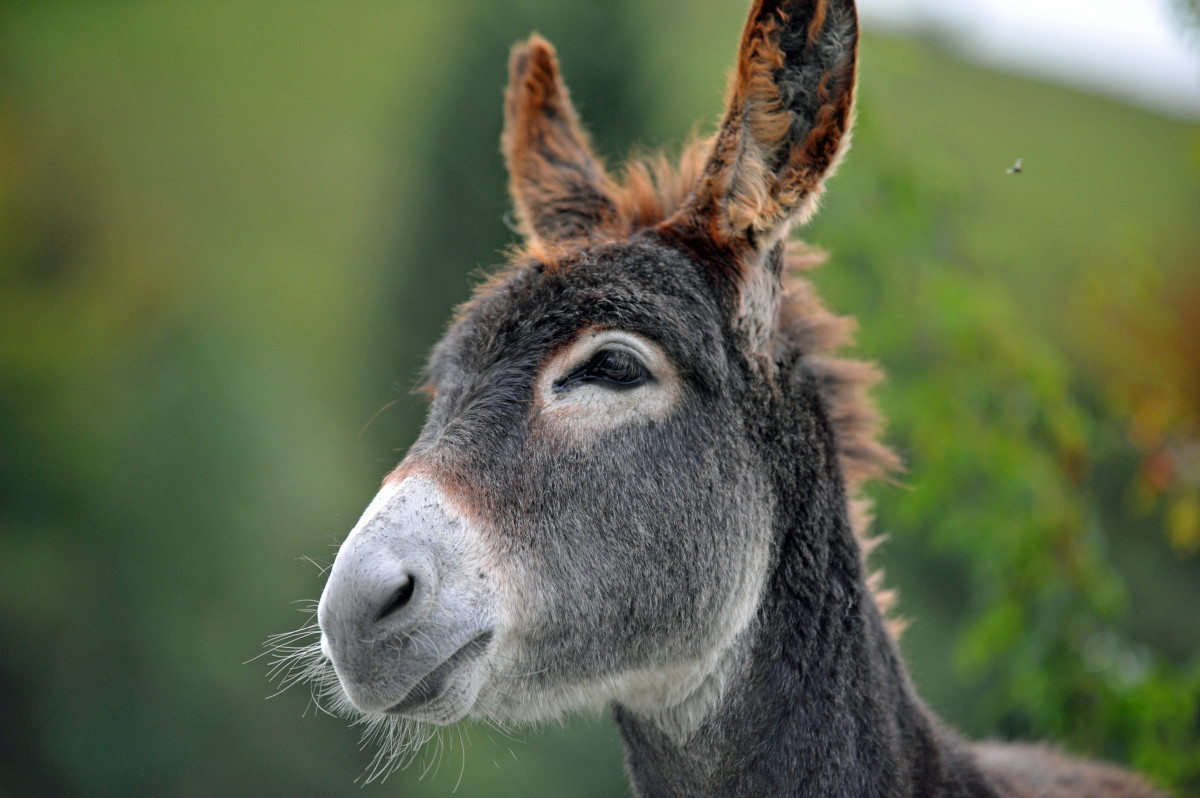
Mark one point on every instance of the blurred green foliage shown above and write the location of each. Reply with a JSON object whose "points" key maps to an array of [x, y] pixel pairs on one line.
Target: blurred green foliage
{"points": [[229, 233]]}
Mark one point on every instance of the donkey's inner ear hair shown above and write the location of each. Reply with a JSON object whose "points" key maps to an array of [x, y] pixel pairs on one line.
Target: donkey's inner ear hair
{"points": [[786, 124], [560, 188]]}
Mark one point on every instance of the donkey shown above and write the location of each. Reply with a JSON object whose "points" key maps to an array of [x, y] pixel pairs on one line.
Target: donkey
{"points": [[637, 485]]}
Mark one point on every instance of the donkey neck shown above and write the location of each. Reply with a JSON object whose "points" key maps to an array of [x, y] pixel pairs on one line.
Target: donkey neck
{"points": [[817, 701]]}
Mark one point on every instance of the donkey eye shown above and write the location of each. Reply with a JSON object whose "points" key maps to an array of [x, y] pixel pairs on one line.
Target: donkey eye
{"points": [[613, 365], [613, 368]]}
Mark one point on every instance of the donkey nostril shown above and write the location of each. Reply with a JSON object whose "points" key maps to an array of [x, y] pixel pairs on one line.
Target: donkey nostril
{"points": [[401, 597]]}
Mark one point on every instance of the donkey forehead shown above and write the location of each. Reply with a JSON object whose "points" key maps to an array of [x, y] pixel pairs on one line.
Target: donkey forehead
{"points": [[641, 286]]}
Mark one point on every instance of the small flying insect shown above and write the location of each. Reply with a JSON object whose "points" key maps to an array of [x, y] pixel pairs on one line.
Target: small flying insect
{"points": [[1015, 169]]}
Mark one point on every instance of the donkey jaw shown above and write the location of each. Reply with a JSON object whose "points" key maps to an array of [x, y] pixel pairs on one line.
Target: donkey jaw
{"points": [[407, 616]]}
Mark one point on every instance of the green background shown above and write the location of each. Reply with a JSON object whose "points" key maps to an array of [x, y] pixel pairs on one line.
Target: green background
{"points": [[230, 232]]}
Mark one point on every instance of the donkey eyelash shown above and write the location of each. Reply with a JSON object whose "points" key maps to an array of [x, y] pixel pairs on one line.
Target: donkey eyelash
{"points": [[613, 368]]}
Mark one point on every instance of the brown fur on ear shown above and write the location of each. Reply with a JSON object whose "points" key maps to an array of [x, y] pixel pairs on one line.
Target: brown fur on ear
{"points": [[788, 120], [560, 188]]}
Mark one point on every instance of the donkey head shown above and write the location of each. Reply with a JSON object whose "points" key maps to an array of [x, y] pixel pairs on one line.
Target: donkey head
{"points": [[621, 418]]}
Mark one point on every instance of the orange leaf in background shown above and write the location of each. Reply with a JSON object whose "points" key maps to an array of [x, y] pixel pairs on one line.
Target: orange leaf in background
{"points": [[1158, 471]]}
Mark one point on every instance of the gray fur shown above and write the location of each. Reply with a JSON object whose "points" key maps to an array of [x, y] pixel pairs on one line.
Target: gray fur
{"points": [[688, 560]]}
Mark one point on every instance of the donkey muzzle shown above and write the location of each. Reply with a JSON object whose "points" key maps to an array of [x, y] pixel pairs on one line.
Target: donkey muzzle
{"points": [[406, 616]]}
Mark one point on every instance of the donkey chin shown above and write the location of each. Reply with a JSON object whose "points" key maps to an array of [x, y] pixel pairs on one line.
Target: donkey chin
{"points": [[408, 616]]}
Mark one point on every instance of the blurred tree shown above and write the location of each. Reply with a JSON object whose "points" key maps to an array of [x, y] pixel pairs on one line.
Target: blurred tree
{"points": [[1022, 429], [1188, 12]]}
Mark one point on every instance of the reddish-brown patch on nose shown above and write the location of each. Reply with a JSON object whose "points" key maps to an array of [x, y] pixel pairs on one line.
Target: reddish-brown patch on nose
{"points": [[462, 496], [408, 467]]}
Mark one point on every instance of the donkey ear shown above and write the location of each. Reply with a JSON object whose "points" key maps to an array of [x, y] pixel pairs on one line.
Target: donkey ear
{"points": [[560, 188], [786, 125]]}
